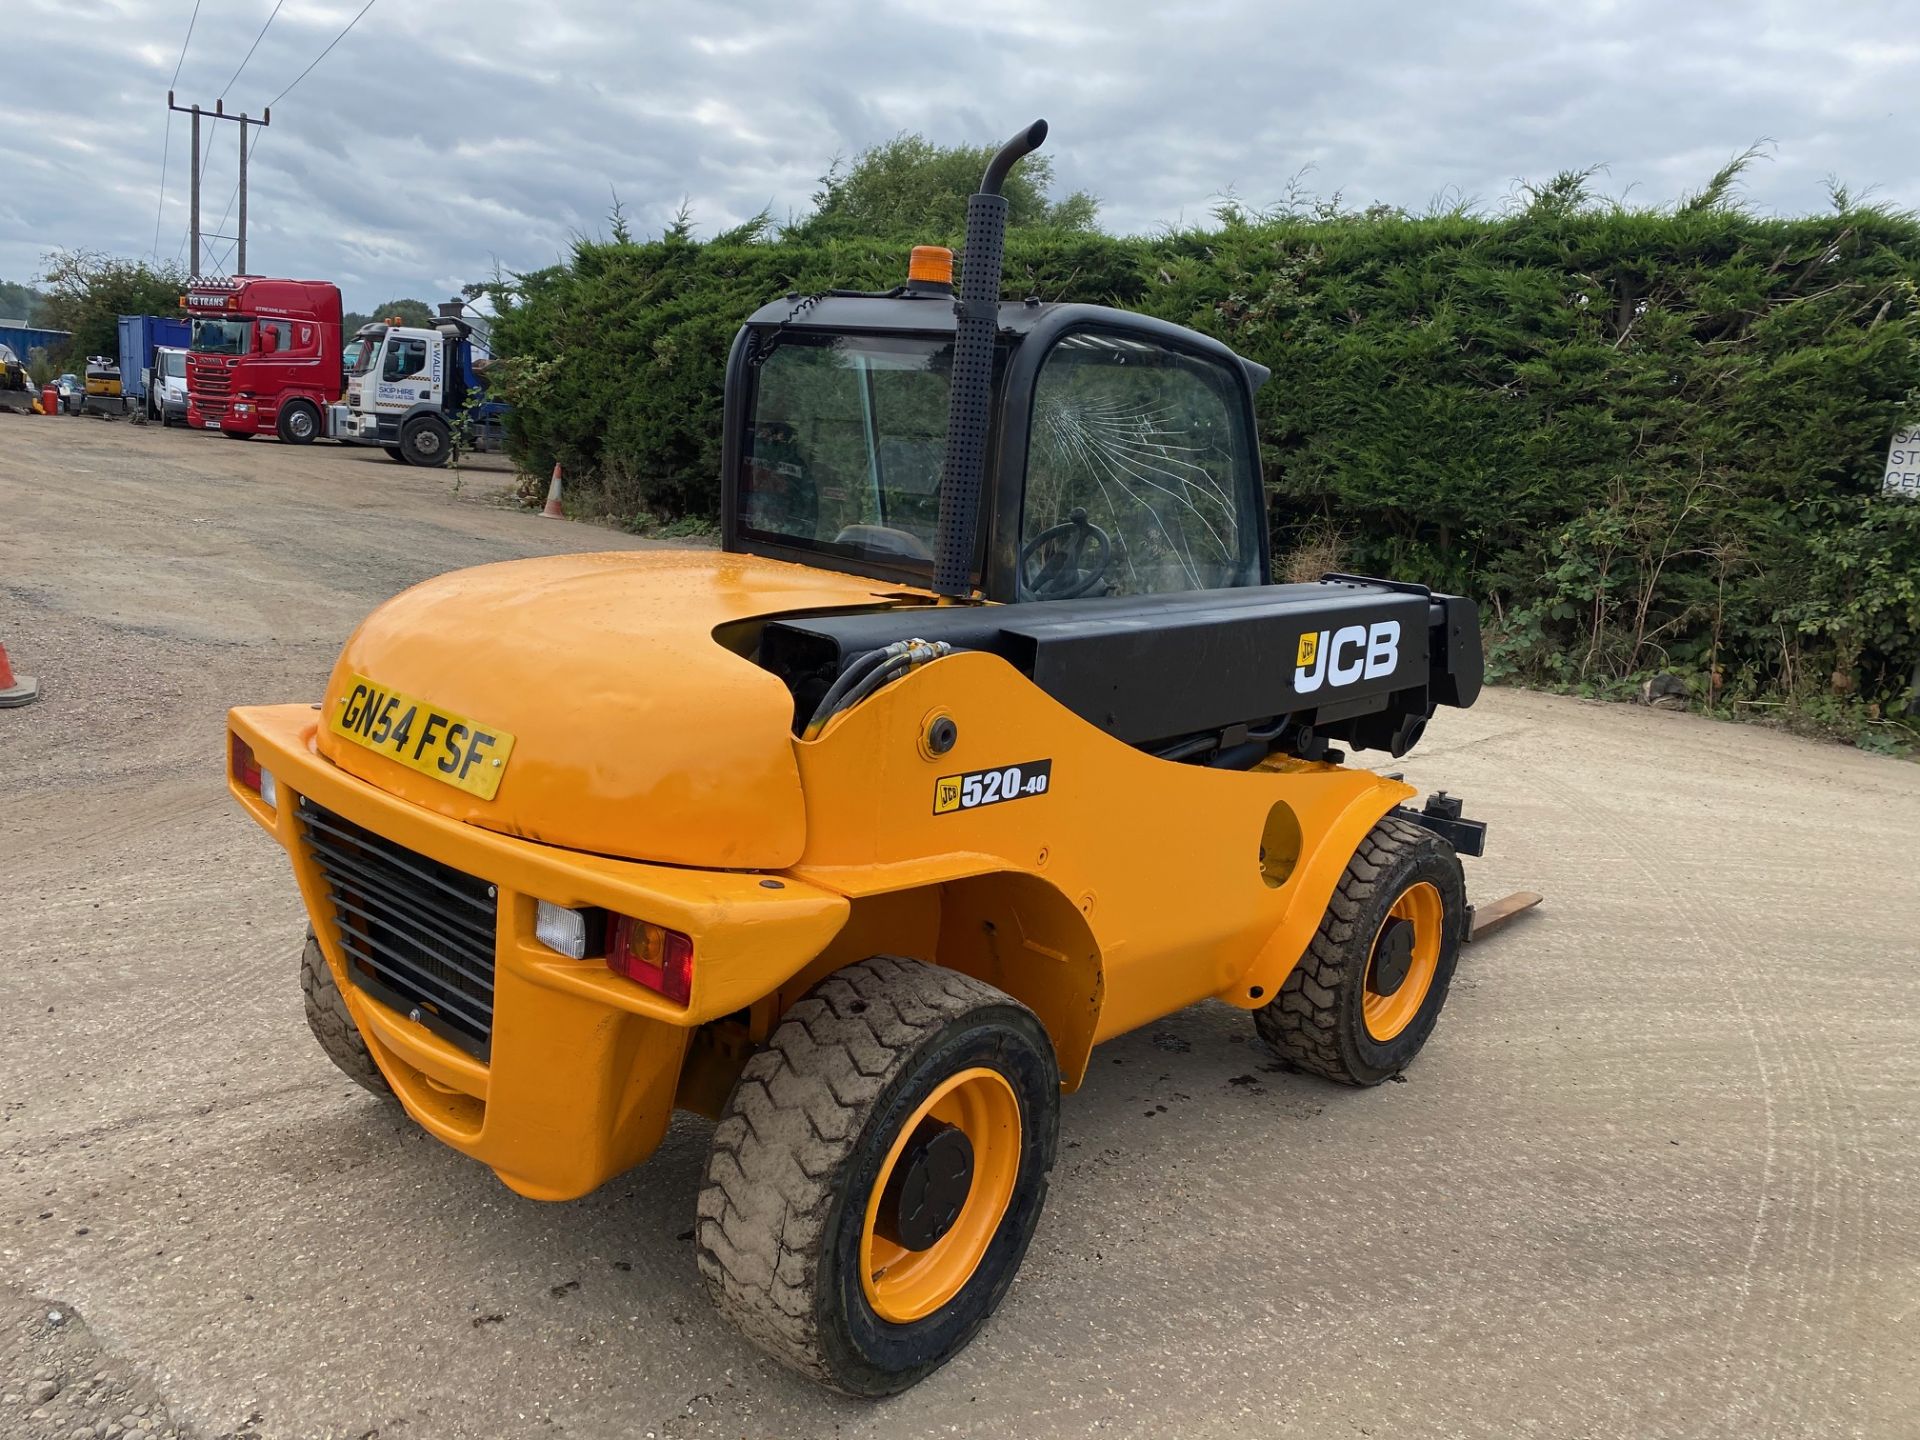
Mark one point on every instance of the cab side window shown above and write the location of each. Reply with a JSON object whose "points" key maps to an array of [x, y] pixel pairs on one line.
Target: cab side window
{"points": [[405, 359], [1146, 446], [276, 336]]}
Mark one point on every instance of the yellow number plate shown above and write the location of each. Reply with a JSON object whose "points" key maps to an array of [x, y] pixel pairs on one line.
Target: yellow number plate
{"points": [[449, 747]]}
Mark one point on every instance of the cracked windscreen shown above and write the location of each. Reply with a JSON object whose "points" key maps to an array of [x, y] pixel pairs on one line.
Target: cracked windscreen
{"points": [[1147, 447]]}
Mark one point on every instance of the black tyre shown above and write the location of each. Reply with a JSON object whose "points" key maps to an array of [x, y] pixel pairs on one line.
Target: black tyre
{"points": [[333, 1027], [878, 1173], [1364, 998], [299, 422], [425, 440], [394, 452]]}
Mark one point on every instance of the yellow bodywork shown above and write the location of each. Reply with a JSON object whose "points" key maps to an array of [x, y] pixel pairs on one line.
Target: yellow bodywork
{"points": [[655, 774]]}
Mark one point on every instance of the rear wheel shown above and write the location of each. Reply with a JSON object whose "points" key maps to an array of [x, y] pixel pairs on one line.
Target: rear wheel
{"points": [[1364, 998], [299, 422], [425, 440], [878, 1173], [332, 1026]]}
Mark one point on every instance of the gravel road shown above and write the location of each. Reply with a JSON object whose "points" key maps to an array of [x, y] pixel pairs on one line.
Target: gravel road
{"points": [[1658, 1174]]}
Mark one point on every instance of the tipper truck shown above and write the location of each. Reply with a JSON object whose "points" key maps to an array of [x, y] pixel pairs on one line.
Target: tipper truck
{"points": [[141, 336], [419, 392]]}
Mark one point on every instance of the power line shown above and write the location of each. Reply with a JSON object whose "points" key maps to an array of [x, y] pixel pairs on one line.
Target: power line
{"points": [[183, 45], [234, 243], [255, 146], [322, 55], [166, 143], [166, 147], [251, 48]]}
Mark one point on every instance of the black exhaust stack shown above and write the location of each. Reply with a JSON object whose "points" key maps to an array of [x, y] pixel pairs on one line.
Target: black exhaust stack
{"points": [[970, 392]]}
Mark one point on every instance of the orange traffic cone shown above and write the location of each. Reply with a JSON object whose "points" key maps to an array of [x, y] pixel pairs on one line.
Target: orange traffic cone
{"points": [[553, 510], [15, 689]]}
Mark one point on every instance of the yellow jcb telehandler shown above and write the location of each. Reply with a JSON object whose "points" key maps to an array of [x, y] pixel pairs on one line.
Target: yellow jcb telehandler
{"points": [[984, 738]]}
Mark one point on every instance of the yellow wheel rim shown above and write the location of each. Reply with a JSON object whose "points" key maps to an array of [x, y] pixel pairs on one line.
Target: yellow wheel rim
{"points": [[1386, 1015], [904, 1285]]}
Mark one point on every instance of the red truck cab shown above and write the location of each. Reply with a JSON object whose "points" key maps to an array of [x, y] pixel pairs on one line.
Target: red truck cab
{"points": [[265, 357]]}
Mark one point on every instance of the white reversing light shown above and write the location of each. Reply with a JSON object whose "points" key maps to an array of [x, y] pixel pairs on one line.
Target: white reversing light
{"points": [[561, 930], [269, 790]]}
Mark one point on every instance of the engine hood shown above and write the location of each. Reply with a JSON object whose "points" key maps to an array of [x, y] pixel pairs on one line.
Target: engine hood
{"points": [[634, 732]]}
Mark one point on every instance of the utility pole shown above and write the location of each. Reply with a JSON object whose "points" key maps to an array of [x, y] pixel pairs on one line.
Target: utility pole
{"points": [[240, 268], [194, 271], [219, 112]]}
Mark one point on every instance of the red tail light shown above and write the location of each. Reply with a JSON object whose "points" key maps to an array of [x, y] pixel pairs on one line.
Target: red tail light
{"points": [[651, 955], [246, 768]]}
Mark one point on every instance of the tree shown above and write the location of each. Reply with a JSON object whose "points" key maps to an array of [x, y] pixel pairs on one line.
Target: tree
{"points": [[911, 188], [416, 313], [19, 302], [87, 291]]}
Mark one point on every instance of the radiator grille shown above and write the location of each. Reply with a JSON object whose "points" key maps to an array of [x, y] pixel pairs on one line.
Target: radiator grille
{"points": [[418, 935], [208, 387]]}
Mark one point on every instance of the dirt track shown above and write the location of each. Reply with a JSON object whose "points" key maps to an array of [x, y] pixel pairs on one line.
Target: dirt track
{"points": [[1657, 1174]]}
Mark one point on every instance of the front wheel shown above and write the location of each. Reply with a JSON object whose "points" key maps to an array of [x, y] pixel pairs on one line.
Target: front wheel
{"points": [[394, 452], [333, 1026], [1364, 998], [878, 1173], [299, 422], [425, 440]]}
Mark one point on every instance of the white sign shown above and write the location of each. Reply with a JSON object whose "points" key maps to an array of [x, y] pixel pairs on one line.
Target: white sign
{"points": [[1903, 464]]}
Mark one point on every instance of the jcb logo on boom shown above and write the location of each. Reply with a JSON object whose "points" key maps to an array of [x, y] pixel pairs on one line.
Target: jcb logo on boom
{"points": [[1354, 652]]}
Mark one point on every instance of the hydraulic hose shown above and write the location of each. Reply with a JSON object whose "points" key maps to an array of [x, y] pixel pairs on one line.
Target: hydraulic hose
{"points": [[869, 673], [863, 666]]}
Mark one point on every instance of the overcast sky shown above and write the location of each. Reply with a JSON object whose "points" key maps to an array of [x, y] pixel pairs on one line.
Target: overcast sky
{"points": [[438, 139]]}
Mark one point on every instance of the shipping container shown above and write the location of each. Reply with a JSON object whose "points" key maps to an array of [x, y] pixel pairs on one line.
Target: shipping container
{"points": [[139, 334], [23, 339]]}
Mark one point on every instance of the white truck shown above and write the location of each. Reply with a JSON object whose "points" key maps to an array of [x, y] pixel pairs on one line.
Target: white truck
{"points": [[414, 391]]}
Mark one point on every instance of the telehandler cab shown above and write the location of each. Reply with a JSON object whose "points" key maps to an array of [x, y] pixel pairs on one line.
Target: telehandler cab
{"points": [[985, 738]]}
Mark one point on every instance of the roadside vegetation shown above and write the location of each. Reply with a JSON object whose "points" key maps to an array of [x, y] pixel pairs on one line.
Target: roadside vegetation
{"points": [[86, 292], [1647, 440]]}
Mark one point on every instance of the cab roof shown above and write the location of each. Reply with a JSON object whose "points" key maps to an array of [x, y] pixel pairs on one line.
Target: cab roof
{"points": [[888, 313]]}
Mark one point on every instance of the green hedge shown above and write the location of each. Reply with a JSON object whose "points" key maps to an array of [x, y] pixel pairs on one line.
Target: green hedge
{"points": [[1643, 440]]}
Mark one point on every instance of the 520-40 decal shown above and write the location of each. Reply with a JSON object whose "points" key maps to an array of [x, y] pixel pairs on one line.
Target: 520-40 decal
{"points": [[991, 787]]}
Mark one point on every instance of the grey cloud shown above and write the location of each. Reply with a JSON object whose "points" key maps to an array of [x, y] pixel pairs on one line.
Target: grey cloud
{"points": [[434, 141]]}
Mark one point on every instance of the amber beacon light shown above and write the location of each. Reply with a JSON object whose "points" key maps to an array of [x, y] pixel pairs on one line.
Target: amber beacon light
{"points": [[930, 265]]}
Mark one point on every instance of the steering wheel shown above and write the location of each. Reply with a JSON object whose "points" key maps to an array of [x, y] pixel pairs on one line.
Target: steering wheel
{"points": [[1065, 574]]}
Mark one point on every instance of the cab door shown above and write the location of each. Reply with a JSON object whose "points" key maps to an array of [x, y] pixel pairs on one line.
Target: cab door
{"points": [[412, 373]]}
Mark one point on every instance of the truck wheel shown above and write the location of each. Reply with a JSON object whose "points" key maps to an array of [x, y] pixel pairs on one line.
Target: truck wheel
{"points": [[333, 1027], [299, 422], [878, 1172], [1365, 996], [394, 452], [425, 440]]}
